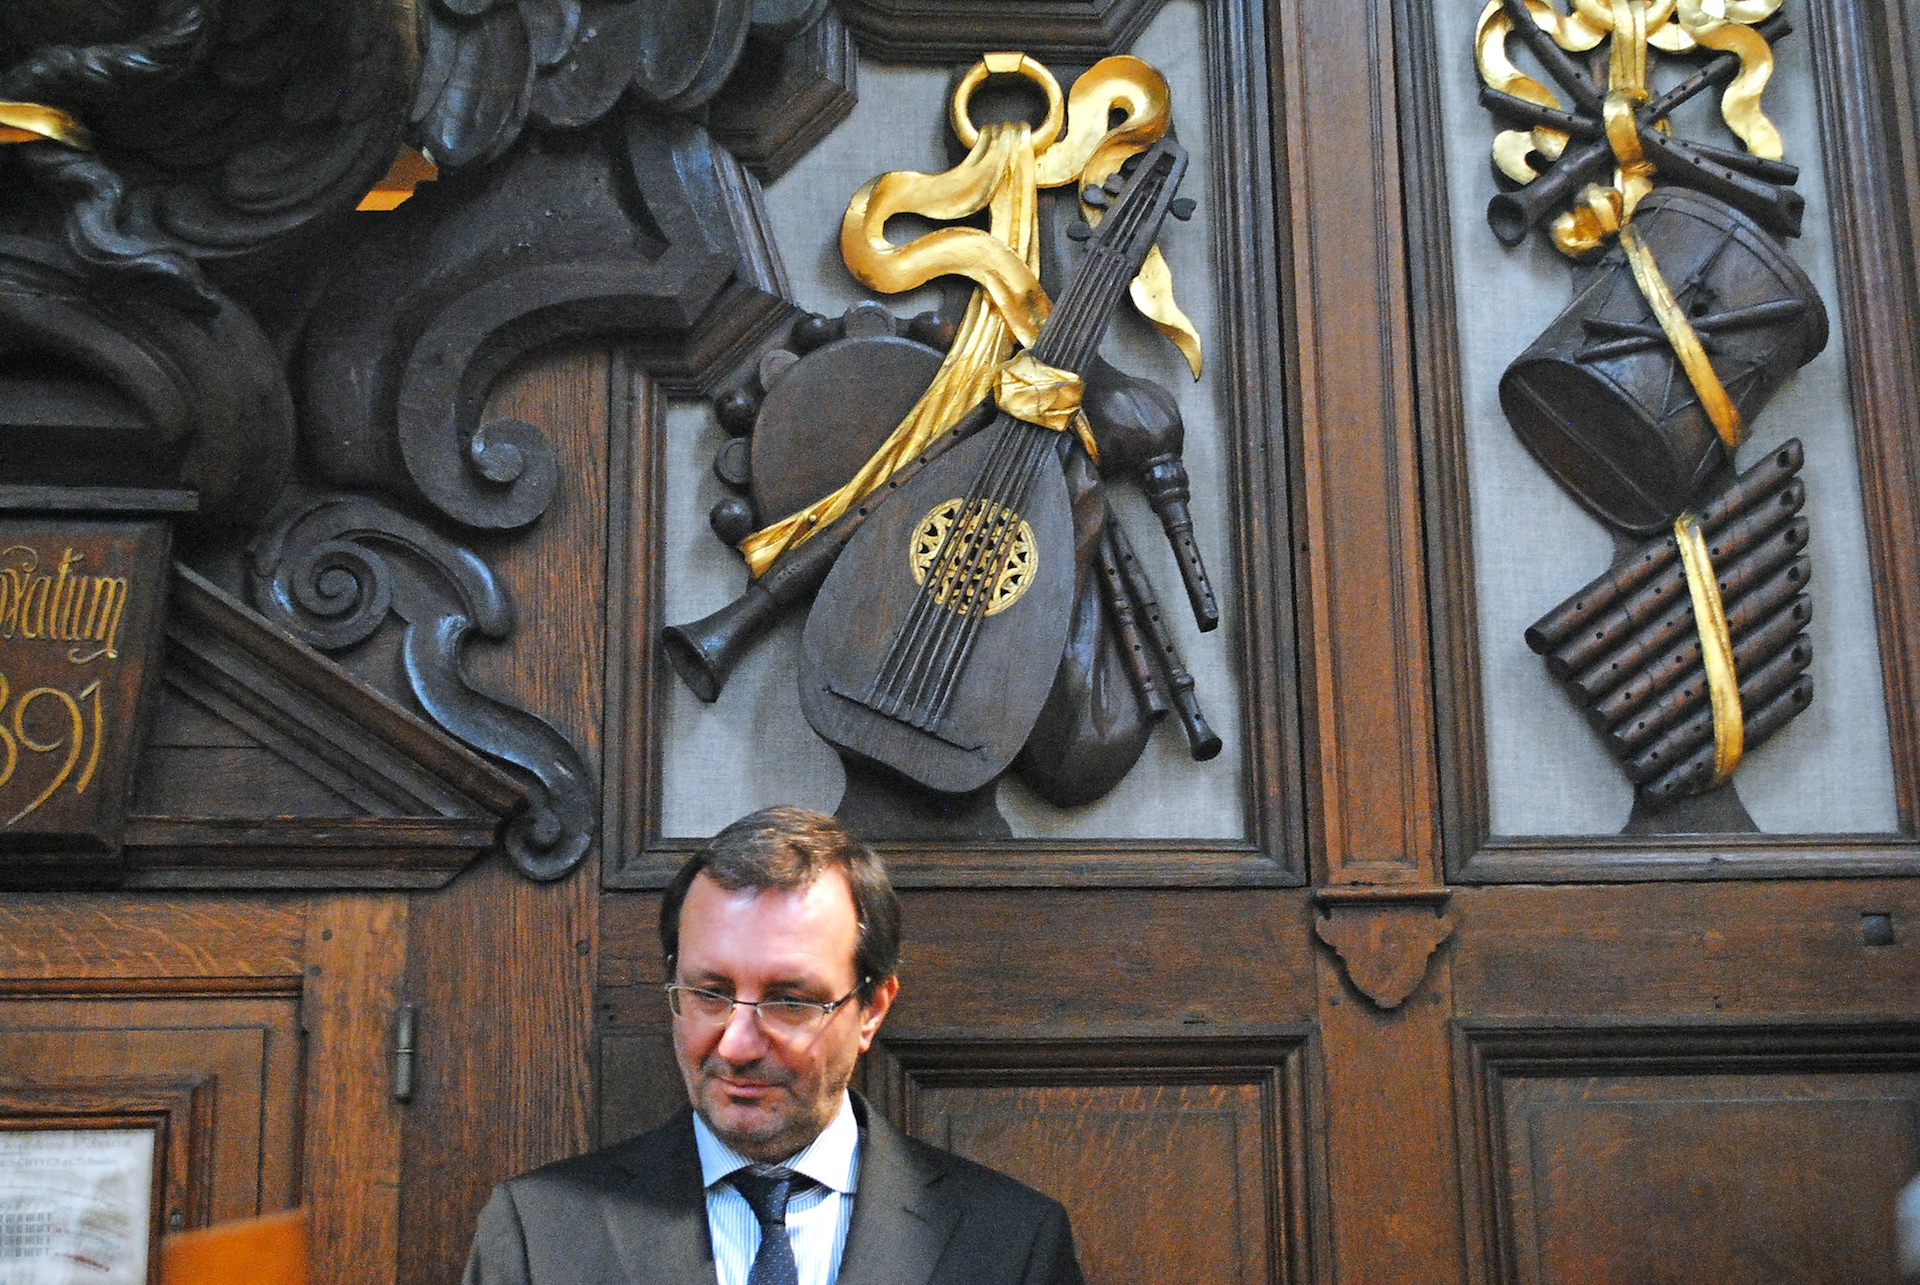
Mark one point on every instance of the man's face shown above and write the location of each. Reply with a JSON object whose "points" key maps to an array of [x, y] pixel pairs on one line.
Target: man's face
{"points": [[769, 1096]]}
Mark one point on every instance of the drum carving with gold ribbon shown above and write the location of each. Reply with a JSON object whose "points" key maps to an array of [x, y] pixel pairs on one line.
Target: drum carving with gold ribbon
{"points": [[1690, 650]]}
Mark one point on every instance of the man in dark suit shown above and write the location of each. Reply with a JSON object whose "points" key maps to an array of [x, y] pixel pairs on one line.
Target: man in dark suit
{"points": [[781, 937]]}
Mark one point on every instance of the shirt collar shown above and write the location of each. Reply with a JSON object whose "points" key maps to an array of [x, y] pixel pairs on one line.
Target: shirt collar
{"points": [[832, 1159]]}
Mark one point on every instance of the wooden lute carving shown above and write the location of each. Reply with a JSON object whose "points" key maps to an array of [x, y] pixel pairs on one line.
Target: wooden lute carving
{"points": [[934, 642]]}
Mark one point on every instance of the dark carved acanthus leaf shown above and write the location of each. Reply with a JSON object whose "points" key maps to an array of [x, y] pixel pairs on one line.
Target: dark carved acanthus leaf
{"points": [[492, 67]]}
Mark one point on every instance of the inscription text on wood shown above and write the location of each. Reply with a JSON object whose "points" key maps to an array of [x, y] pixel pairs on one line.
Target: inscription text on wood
{"points": [[79, 618]]}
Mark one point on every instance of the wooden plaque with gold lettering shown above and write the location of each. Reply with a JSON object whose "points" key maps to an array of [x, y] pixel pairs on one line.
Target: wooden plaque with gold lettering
{"points": [[80, 616]]}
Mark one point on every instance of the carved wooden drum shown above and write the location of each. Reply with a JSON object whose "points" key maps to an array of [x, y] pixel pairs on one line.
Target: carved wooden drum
{"points": [[1601, 401]]}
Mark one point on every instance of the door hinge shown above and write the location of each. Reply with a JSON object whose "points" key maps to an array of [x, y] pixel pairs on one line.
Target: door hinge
{"points": [[403, 1023]]}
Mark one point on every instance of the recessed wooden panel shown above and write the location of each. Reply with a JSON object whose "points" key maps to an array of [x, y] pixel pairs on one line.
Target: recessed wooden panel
{"points": [[177, 1111], [233, 1064], [1178, 1161], [1735, 1155]]}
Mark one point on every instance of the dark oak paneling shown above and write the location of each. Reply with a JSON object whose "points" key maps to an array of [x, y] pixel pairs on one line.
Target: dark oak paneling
{"points": [[1687, 948], [239, 1056], [1368, 698], [1726, 1153], [501, 968], [1180, 1159]]}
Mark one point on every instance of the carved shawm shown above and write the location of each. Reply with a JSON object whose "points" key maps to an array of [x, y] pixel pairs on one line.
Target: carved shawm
{"points": [[332, 569], [629, 228]]}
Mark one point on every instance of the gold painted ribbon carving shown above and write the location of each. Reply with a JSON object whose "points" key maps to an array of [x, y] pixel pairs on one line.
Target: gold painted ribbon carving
{"points": [[1684, 341], [1002, 175], [1671, 26], [1716, 647], [36, 123]]}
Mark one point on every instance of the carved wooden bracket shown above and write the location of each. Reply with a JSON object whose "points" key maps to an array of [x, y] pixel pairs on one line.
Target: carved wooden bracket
{"points": [[956, 31], [1384, 935]]}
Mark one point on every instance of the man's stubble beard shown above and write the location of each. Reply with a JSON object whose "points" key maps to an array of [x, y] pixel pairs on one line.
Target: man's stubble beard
{"points": [[785, 1133]]}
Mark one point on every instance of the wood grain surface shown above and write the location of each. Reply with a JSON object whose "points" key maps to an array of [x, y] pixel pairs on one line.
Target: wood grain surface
{"points": [[494, 953]]}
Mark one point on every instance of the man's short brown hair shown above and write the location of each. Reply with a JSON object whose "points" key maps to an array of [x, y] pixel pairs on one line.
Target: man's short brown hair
{"points": [[789, 848]]}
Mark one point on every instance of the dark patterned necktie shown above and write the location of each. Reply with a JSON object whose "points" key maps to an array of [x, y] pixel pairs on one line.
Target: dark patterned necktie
{"points": [[767, 1196]]}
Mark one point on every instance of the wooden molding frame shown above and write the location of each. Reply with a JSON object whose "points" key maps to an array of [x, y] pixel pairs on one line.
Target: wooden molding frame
{"points": [[1488, 1055], [1251, 243], [956, 31], [1279, 1062], [1368, 701], [1865, 114], [179, 1111]]}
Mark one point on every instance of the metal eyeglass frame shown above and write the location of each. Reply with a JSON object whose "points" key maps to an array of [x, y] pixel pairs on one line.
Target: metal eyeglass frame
{"points": [[820, 1010]]}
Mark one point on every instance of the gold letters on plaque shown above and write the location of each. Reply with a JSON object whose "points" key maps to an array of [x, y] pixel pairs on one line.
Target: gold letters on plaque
{"points": [[64, 605], [79, 615]]}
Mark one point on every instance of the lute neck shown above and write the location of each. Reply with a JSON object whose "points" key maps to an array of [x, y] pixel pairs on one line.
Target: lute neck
{"points": [[1072, 333]]}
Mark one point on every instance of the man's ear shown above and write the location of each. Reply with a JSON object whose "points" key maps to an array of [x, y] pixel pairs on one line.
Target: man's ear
{"points": [[874, 1011]]}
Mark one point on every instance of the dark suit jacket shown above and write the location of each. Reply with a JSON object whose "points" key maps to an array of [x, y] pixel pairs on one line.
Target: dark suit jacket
{"points": [[636, 1214]]}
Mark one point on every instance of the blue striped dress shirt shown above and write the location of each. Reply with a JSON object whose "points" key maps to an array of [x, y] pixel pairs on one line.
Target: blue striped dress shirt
{"points": [[817, 1218]]}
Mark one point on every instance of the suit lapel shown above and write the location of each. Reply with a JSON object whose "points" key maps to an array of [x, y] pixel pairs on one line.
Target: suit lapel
{"points": [[657, 1222], [899, 1225]]}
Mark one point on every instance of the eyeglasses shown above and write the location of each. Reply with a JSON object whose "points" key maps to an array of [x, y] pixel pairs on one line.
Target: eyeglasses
{"points": [[780, 1017]]}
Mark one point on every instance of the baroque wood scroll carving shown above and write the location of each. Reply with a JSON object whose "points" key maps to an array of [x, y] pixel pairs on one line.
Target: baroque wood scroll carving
{"points": [[189, 300]]}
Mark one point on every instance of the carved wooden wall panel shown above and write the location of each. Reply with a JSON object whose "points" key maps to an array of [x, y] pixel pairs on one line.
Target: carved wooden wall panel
{"points": [[233, 1063], [1336, 1067], [259, 1031], [1748, 1153], [1218, 1124], [1861, 141]]}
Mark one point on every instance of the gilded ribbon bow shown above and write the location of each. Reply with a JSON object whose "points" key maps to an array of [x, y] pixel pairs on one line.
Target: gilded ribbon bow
{"points": [[1002, 174], [36, 122], [1671, 26]]}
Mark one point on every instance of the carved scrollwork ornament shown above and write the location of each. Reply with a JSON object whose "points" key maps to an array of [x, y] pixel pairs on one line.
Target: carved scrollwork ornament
{"points": [[332, 569]]}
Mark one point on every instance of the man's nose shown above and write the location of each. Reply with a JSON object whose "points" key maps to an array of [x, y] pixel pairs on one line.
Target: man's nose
{"points": [[741, 1039]]}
